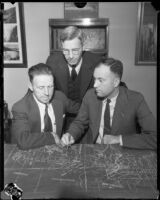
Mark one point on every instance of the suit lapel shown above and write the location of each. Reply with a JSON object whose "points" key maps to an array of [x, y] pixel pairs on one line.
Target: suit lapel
{"points": [[98, 109], [120, 107], [86, 73], [58, 116], [62, 73], [34, 113]]}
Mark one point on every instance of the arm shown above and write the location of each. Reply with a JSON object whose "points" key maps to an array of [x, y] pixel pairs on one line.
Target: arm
{"points": [[69, 105], [147, 139], [22, 135], [81, 122]]}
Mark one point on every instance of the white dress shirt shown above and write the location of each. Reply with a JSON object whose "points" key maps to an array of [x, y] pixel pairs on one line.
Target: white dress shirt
{"points": [[112, 107], [51, 114], [78, 67]]}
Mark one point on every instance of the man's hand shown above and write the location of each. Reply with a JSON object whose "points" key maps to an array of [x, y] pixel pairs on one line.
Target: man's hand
{"points": [[67, 139], [111, 139], [56, 138]]}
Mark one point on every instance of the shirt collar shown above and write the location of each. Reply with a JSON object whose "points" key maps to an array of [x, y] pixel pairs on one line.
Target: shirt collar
{"points": [[77, 67], [112, 99], [39, 103]]}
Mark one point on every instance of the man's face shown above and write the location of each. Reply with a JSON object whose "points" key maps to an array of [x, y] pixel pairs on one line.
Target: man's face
{"points": [[72, 50], [43, 87], [105, 81]]}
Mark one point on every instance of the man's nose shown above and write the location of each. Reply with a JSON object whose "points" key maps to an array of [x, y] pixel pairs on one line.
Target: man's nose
{"points": [[70, 54], [95, 84], [46, 91]]}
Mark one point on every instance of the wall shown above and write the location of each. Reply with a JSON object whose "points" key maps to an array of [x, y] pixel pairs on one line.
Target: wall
{"points": [[122, 40]]}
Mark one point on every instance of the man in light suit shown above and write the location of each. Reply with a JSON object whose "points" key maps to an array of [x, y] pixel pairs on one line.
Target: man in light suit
{"points": [[127, 110], [29, 126]]}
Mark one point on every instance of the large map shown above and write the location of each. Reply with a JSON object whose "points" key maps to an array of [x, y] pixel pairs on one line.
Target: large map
{"points": [[93, 169]]}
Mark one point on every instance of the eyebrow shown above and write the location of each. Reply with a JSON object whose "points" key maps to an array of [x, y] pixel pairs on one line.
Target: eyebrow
{"points": [[99, 78]]}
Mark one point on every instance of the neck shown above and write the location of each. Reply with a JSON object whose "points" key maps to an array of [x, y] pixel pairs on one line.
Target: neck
{"points": [[113, 93], [79, 62]]}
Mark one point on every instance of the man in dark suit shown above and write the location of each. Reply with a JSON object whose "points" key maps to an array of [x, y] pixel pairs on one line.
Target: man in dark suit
{"points": [[38, 116], [73, 67], [113, 112]]}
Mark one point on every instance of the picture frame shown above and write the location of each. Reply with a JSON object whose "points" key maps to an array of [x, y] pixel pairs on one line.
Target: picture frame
{"points": [[96, 33], [14, 40], [81, 9], [146, 41]]}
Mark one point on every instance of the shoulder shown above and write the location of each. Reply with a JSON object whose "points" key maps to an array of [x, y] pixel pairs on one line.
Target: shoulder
{"points": [[22, 104], [93, 55], [90, 94], [56, 56], [59, 96], [131, 94]]}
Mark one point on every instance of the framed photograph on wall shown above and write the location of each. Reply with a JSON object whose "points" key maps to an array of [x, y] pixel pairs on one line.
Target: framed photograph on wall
{"points": [[146, 41], [95, 33], [14, 40]]}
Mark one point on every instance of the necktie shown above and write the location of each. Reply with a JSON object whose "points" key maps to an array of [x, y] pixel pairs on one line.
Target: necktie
{"points": [[107, 128], [47, 121], [73, 73]]}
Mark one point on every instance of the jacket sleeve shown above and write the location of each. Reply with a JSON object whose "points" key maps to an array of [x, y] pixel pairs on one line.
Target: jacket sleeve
{"points": [[70, 106], [147, 138], [50, 60], [81, 122], [22, 135]]}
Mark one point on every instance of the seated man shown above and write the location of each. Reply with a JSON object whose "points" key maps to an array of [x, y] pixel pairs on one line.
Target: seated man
{"points": [[38, 117], [113, 112]]}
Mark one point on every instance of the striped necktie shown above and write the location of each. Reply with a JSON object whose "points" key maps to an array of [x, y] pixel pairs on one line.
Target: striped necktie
{"points": [[107, 128], [73, 73], [47, 121]]}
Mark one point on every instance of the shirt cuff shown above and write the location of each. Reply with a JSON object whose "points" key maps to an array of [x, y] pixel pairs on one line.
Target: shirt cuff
{"points": [[121, 142]]}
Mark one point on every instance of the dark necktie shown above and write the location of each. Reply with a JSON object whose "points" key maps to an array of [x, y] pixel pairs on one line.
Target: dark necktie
{"points": [[47, 121], [73, 73], [107, 128]]}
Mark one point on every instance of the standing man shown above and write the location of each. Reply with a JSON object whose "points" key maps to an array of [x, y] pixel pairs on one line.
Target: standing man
{"points": [[73, 67], [113, 113], [38, 116]]}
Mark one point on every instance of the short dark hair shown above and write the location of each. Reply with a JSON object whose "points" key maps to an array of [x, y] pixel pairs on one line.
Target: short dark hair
{"points": [[39, 69], [72, 32], [115, 66]]}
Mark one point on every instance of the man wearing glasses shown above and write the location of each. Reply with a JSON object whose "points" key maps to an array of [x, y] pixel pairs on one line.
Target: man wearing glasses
{"points": [[73, 68]]}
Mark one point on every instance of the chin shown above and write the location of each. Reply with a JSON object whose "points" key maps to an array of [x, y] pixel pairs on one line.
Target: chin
{"points": [[99, 94], [72, 63], [47, 101]]}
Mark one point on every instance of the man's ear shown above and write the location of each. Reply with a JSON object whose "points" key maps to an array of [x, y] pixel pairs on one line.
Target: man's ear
{"points": [[30, 86], [116, 82]]}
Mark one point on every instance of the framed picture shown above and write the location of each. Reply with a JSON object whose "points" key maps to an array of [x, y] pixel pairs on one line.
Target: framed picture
{"points": [[14, 48], [95, 33], [146, 42], [81, 9]]}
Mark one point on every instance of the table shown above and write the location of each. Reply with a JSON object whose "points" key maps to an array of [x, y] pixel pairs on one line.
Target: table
{"points": [[81, 171]]}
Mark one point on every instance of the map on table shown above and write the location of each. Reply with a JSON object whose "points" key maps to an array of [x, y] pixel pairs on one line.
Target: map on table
{"points": [[92, 168]]}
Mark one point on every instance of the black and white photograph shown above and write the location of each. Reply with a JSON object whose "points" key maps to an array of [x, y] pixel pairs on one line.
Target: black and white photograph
{"points": [[79, 100], [95, 33], [14, 36], [146, 46]]}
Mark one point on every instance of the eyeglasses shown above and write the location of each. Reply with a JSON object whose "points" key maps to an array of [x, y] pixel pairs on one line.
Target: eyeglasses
{"points": [[43, 87], [74, 51]]}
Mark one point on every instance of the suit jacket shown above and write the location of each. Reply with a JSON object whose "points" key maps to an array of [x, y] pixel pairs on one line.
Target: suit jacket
{"points": [[60, 70], [130, 109], [26, 123]]}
